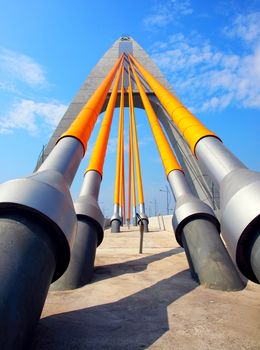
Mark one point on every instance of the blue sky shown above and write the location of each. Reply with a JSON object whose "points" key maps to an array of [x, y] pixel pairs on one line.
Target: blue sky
{"points": [[209, 51]]}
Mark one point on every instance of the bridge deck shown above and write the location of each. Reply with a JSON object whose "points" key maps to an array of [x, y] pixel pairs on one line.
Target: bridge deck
{"points": [[139, 301]]}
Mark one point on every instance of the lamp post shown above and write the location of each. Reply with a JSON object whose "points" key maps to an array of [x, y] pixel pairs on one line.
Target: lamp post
{"points": [[167, 198]]}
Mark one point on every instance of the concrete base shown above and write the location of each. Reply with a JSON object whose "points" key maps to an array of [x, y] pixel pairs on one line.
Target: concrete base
{"points": [[208, 258], [148, 302], [115, 226], [81, 266], [27, 265]]}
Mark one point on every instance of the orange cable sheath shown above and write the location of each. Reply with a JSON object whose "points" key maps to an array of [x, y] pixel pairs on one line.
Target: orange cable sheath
{"points": [[99, 152], [190, 127], [117, 193], [131, 143], [132, 165], [122, 145], [133, 174], [129, 170], [136, 150], [168, 158], [122, 188], [81, 128], [123, 185]]}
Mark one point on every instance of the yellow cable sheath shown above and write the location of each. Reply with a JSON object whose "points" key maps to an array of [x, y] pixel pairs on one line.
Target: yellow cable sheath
{"points": [[131, 147], [133, 176], [123, 183], [122, 173], [117, 193], [136, 150], [122, 148], [99, 152], [129, 170], [169, 161], [190, 127], [83, 125]]}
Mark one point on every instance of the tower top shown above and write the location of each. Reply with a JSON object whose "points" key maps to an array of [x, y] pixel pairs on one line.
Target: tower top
{"points": [[125, 38]]}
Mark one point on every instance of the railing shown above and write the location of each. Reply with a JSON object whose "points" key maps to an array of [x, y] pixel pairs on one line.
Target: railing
{"points": [[41, 158]]}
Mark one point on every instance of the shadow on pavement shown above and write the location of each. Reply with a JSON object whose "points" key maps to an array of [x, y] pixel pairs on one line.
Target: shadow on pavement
{"points": [[132, 266], [134, 322]]}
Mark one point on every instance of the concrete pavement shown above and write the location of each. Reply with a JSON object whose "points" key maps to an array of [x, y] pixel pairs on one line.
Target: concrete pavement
{"points": [[148, 301]]}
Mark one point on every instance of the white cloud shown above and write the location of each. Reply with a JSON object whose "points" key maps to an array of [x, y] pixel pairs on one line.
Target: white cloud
{"points": [[217, 103], [19, 76], [31, 116], [166, 12], [144, 140], [207, 78], [112, 145], [8, 87], [21, 67], [245, 27], [113, 141]]}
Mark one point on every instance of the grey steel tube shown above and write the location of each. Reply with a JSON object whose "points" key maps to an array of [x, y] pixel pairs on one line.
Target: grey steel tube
{"points": [[216, 158], [134, 221], [115, 220], [37, 228], [64, 158], [197, 230], [121, 216], [144, 217], [89, 235], [239, 204], [115, 226], [134, 217]]}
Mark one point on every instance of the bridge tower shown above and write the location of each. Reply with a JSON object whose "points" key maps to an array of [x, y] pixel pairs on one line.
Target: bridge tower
{"points": [[198, 180], [44, 235]]}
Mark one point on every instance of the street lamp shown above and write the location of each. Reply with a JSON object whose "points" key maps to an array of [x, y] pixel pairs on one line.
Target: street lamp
{"points": [[167, 198]]}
